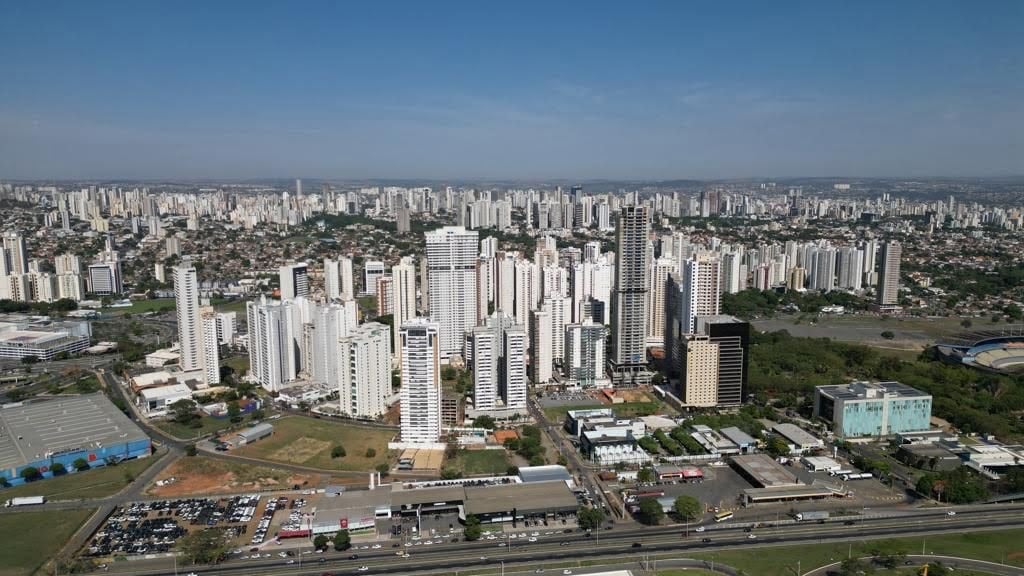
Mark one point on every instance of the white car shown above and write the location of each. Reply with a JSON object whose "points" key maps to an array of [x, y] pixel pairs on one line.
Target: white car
{"points": [[751, 536], [951, 513], [699, 529], [364, 568], [375, 546], [566, 571], [532, 539]]}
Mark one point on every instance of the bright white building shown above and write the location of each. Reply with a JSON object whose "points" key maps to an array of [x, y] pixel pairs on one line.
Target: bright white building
{"points": [[403, 287], [700, 290], [294, 281], [451, 263], [421, 382], [364, 366], [513, 377], [540, 346], [273, 331]]}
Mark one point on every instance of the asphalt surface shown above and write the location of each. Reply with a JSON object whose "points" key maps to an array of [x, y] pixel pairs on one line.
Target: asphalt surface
{"points": [[614, 545]]}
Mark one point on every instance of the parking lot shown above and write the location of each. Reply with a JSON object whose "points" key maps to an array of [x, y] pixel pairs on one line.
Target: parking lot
{"points": [[154, 527]]}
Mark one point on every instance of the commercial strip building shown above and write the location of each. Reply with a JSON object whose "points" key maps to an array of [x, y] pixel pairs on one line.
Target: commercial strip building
{"points": [[873, 409], [799, 440], [42, 433]]}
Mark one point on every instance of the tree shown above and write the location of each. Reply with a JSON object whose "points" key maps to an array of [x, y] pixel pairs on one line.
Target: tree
{"points": [[777, 447], [512, 471], [58, 469], [342, 541], [338, 451], [190, 450], [30, 474], [472, 531], [888, 335], [484, 422], [30, 359], [589, 518], [645, 475], [371, 452], [383, 469], [184, 411], [650, 512], [258, 414], [966, 323], [203, 546], [854, 566], [450, 474], [4, 482], [687, 507], [234, 412], [80, 464], [320, 542]]}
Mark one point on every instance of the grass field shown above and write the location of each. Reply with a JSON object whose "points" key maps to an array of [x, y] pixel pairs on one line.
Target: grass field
{"points": [[308, 442], [95, 483], [209, 424], [1002, 546], [31, 538], [140, 306], [629, 409], [229, 305], [479, 462], [239, 363]]}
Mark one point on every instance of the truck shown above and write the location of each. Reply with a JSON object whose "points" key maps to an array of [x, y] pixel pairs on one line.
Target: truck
{"points": [[857, 476], [817, 515], [25, 501]]}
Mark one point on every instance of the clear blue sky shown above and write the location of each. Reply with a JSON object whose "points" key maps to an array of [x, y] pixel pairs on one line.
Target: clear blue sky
{"points": [[574, 90]]}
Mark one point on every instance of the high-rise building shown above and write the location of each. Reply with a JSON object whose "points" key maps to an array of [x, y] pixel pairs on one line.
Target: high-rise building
{"points": [[364, 366], [403, 285], [421, 382], [385, 295], [661, 268], [889, 274], [67, 264], [451, 262], [227, 327], [486, 342], [331, 322], [700, 290], [197, 327], [559, 309], [372, 270], [14, 254], [732, 337], [851, 268], [274, 329], [70, 286], [346, 282], [584, 354], [540, 346], [628, 363], [699, 376], [513, 367], [332, 279], [294, 281]]}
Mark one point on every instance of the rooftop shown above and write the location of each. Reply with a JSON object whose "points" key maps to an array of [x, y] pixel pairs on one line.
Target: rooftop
{"points": [[544, 473], [866, 390], [796, 434], [765, 471], [32, 430], [532, 496]]}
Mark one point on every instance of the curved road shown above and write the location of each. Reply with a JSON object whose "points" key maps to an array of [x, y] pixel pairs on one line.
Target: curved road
{"points": [[917, 560]]}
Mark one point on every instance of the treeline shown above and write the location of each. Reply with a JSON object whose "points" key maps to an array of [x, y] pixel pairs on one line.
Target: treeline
{"points": [[56, 307], [973, 401], [752, 302]]}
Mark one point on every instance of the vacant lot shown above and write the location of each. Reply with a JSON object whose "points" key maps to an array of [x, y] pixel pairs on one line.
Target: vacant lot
{"points": [[479, 462], [207, 425], [908, 333], [309, 442], [199, 475], [31, 538], [140, 306], [628, 409], [95, 483]]}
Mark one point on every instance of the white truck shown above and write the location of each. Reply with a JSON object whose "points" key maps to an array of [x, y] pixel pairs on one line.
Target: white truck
{"points": [[818, 515], [25, 501]]}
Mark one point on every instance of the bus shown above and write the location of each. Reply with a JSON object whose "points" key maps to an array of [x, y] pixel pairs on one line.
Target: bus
{"points": [[723, 516]]}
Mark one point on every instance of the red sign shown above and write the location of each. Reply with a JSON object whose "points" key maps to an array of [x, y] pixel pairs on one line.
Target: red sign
{"points": [[344, 523], [92, 457]]}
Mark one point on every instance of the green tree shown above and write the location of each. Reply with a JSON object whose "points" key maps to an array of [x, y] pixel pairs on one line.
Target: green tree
{"points": [[58, 469], [484, 422], [854, 567], [234, 412], [30, 359], [81, 464], [450, 474], [650, 511], [512, 471], [190, 450], [342, 541], [687, 507], [203, 546], [645, 475], [30, 474], [371, 452], [589, 518], [383, 469], [338, 451], [184, 411], [472, 531], [777, 447]]}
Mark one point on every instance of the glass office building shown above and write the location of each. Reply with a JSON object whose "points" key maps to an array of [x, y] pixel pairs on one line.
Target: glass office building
{"points": [[873, 409]]}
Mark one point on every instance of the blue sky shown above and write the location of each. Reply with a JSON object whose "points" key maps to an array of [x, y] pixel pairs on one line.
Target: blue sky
{"points": [[532, 90]]}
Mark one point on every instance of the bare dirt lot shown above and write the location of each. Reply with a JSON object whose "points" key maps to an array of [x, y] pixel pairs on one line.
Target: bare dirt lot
{"points": [[200, 475]]}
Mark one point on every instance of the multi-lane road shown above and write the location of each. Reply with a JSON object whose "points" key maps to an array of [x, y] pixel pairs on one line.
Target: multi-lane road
{"points": [[569, 549]]}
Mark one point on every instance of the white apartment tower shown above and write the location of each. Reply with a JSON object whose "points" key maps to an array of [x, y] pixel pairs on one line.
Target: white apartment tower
{"points": [[629, 301], [421, 382], [486, 344], [294, 281], [540, 346], [700, 380], [364, 366], [451, 263], [660, 270], [889, 274], [513, 377], [15, 254], [197, 327], [273, 349], [700, 290], [403, 287]]}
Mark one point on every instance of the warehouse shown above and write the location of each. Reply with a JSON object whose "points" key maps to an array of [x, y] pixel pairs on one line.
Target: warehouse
{"points": [[254, 433], [43, 433], [534, 500], [763, 472]]}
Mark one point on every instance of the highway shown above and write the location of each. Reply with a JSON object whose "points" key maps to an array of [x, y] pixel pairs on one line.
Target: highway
{"points": [[449, 558]]}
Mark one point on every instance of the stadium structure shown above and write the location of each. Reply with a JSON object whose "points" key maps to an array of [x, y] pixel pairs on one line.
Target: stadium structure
{"points": [[42, 433], [998, 350]]}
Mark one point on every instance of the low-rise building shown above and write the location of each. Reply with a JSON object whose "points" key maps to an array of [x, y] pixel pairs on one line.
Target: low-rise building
{"points": [[156, 401], [873, 409], [798, 439]]}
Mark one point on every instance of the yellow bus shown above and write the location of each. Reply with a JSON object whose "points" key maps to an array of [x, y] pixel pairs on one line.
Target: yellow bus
{"points": [[723, 516]]}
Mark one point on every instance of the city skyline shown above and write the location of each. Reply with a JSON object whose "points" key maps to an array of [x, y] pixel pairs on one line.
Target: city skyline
{"points": [[612, 92]]}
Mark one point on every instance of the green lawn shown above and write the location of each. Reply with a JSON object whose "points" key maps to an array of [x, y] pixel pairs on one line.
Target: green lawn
{"points": [[628, 409], [239, 363], [140, 306], [31, 538], [479, 462], [1002, 546], [95, 483], [308, 442], [222, 305]]}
